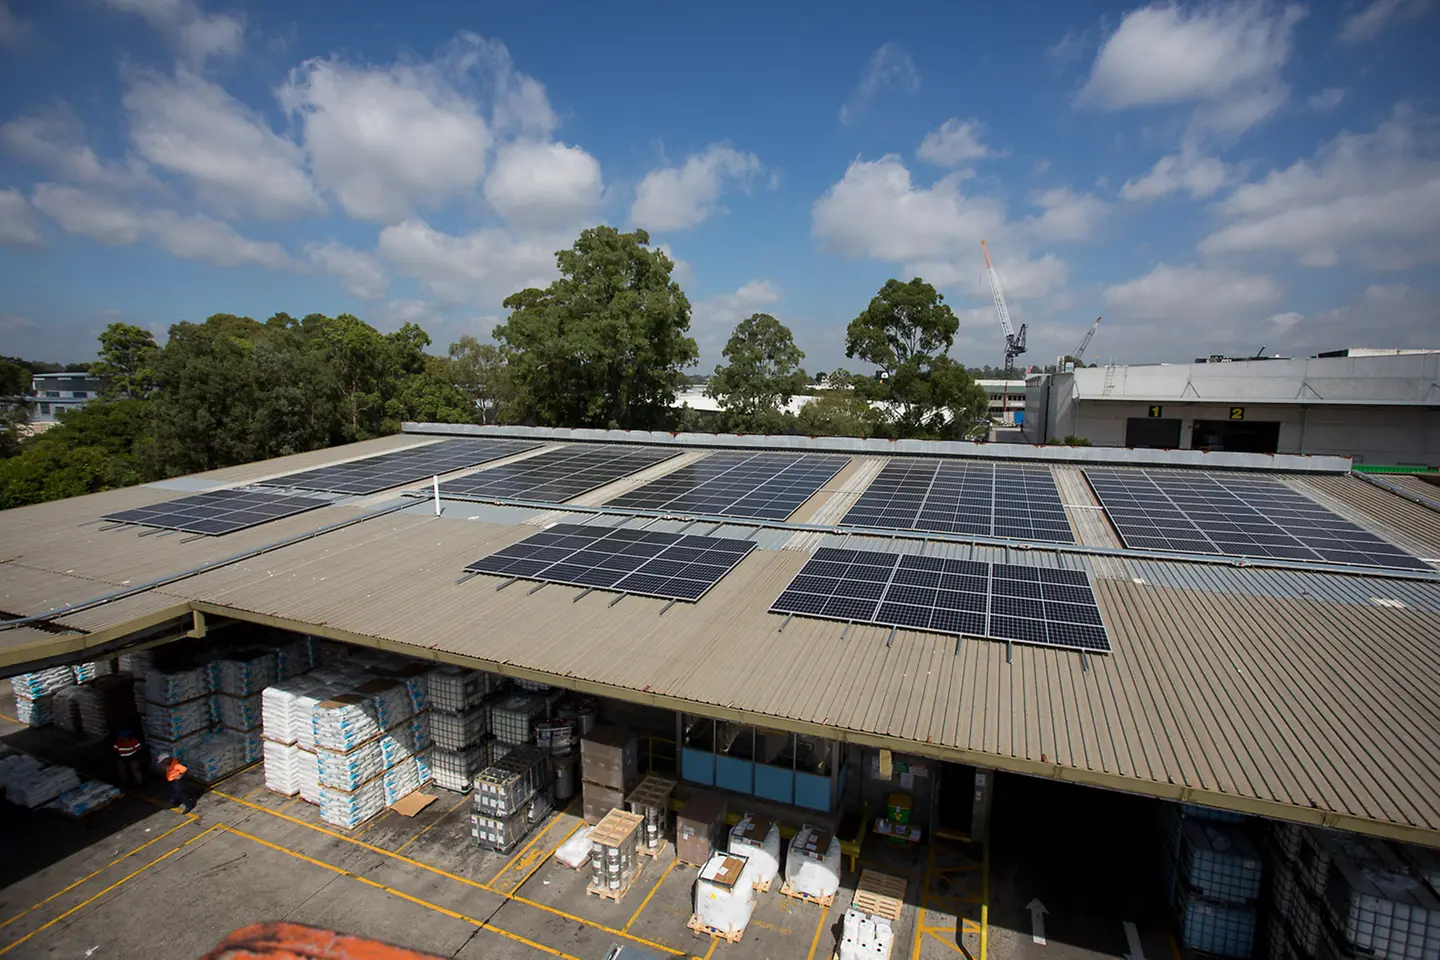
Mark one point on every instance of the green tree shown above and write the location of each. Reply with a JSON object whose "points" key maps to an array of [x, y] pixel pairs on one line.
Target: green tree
{"points": [[607, 344], [479, 369], [127, 361], [100, 446], [761, 378], [838, 411], [905, 333]]}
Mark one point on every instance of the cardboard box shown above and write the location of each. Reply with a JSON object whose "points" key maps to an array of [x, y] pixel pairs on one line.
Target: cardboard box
{"points": [[698, 827], [598, 800], [610, 757]]}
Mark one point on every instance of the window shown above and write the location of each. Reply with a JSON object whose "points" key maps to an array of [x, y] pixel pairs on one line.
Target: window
{"points": [[52, 393], [79, 394], [45, 409]]}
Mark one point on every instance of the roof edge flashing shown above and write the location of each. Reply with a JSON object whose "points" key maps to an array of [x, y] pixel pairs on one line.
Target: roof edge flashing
{"points": [[1226, 460]]}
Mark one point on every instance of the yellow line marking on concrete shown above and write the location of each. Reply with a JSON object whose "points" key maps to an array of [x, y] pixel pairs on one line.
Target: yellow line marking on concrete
{"points": [[231, 776], [714, 942], [949, 943], [91, 876], [433, 823], [11, 946], [924, 901], [815, 940], [436, 870], [399, 893], [378, 817], [644, 903], [290, 803], [540, 861], [985, 891], [525, 850]]}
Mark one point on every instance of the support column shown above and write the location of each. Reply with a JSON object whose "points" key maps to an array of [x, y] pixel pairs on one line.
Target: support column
{"points": [[980, 810]]}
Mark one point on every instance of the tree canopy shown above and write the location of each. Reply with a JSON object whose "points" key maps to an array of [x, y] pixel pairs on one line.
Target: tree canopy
{"points": [[127, 361], [606, 345], [906, 333], [762, 376]]}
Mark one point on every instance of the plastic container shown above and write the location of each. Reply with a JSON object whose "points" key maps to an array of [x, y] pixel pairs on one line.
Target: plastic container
{"points": [[812, 867], [725, 893], [1218, 862], [757, 839]]}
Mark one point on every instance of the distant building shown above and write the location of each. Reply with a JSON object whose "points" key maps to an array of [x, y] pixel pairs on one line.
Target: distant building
{"points": [[1007, 399], [1377, 406], [51, 393]]}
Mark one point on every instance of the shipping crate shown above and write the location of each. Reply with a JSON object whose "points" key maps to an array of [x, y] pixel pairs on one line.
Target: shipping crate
{"points": [[599, 800], [610, 756], [698, 827]]}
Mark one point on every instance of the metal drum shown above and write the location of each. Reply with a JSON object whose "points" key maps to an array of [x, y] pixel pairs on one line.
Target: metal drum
{"points": [[565, 776]]}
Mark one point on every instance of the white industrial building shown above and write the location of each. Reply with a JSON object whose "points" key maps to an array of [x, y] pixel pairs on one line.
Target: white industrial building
{"points": [[1376, 406]]}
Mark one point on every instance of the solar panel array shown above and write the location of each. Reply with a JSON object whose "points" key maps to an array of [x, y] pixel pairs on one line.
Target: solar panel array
{"points": [[557, 475], [650, 563], [400, 467], [763, 486], [1243, 516], [1003, 601], [1009, 500], [218, 511]]}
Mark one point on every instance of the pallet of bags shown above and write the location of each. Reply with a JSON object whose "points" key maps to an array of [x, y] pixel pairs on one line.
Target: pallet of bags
{"points": [[282, 768], [34, 711], [350, 808], [215, 756], [42, 683], [344, 722], [244, 673], [65, 710], [90, 796], [175, 720], [31, 783], [174, 686], [107, 705]]}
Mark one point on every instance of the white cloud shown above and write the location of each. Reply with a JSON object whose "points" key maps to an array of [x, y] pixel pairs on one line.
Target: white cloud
{"points": [[1190, 171], [889, 68], [1282, 322], [15, 32], [1384, 315], [680, 271], [1373, 198], [56, 141], [952, 143], [236, 163], [678, 198], [537, 184], [390, 141], [19, 226], [1067, 215], [1225, 58], [189, 237], [361, 273], [1189, 293], [198, 35], [485, 266], [713, 319], [877, 212], [1327, 99], [1370, 22]]}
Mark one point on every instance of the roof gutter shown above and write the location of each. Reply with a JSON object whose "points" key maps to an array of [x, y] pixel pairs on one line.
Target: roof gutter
{"points": [[1398, 490]]}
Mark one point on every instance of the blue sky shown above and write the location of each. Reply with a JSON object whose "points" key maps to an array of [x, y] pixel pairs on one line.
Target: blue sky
{"points": [[1210, 177]]}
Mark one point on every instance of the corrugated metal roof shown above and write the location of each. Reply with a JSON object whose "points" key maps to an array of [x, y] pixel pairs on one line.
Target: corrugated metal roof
{"points": [[1315, 703], [1317, 693], [1382, 509]]}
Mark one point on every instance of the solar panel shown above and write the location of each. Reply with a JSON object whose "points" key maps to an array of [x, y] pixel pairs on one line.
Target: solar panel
{"points": [[400, 467], [557, 475], [667, 565], [1234, 515], [1002, 601], [219, 511], [1010, 500], [763, 486]]}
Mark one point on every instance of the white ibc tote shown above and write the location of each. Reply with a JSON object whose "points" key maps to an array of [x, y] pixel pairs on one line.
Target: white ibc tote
{"points": [[758, 840], [813, 866], [725, 893]]}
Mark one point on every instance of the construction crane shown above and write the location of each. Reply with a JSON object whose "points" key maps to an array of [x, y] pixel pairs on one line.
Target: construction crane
{"points": [[1079, 355], [1014, 341]]}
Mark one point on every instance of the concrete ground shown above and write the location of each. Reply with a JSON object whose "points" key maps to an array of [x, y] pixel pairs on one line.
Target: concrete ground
{"points": [[140, 880]]}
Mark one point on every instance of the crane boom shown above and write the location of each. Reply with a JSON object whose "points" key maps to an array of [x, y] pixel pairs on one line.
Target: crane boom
{"points": [[998, 294], [1079, 353]]}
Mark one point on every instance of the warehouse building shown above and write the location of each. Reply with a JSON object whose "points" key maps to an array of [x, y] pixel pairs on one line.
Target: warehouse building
{"points": [[1378, 407], [1248, 634]]}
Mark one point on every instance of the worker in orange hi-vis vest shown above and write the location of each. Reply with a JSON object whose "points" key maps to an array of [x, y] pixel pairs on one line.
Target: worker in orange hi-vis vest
{"points": [[127, 755], [175, 776]]}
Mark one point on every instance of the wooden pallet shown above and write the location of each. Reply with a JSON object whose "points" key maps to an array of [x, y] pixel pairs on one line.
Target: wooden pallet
{"points": [[793, 894], [615, 827], [616, 895], [700, 930], [765, 886], [880, 895], [645, 851], [652, 791]]}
